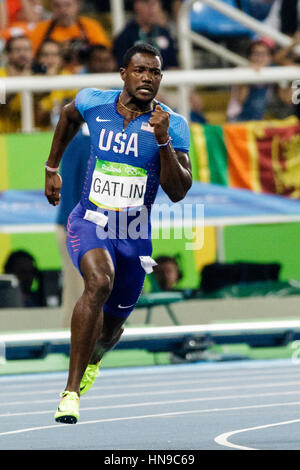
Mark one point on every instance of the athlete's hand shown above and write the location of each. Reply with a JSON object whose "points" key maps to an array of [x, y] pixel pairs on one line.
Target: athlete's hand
{"points": [[53, 184], [160, 121]]}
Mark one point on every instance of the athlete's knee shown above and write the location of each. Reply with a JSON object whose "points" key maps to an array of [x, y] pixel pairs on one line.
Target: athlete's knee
{"points": [[98, 285]]}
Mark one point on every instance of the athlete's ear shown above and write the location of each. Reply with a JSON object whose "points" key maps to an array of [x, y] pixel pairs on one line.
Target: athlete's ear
{"points": [[122, 73]]}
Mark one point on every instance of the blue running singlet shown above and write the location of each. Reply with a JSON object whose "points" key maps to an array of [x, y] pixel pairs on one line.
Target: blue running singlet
{"points": [[121, 183]]}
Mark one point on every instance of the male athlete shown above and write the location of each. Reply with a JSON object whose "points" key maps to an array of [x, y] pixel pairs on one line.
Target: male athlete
{"points": [[136, 144]]}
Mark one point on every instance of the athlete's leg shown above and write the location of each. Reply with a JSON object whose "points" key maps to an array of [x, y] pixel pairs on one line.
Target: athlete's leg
{"points": [[111, 333], [128, 284], [87, 320]]}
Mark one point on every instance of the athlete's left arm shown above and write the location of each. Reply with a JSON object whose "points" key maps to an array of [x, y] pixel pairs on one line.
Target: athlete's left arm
{"points": [[175, 171]]}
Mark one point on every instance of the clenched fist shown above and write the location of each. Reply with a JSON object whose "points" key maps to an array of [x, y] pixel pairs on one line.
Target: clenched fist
{"points": [[160, 121], [52, 187]]}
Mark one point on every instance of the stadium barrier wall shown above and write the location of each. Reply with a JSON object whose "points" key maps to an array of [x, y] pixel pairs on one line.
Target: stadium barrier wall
{"points": [[191, 312]]}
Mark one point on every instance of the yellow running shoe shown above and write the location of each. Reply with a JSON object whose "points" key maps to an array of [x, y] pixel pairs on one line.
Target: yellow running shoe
{"points": [[68, 409], [89, 377]]}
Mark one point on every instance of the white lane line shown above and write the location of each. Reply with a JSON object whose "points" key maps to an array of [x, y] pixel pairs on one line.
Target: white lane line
{"points": [[141, 385], [118, 373], [188, 390], [222, 439], [157, 415], [158, 403], [145, 379]]}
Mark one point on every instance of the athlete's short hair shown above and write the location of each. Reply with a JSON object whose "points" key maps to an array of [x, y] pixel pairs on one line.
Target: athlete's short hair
{"points": [[140, 48]]}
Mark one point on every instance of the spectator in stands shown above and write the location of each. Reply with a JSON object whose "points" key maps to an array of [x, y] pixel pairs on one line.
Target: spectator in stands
{"points": [[75, 32], [50, 58], [18, 17], [48, 105], [144, 27], [22, 264], [248, 103], [289, 55], [14, 11], [99, 59], [19, 57], [167, 15], [19, 62], [284, 16], [196, 108], [167, 273]]}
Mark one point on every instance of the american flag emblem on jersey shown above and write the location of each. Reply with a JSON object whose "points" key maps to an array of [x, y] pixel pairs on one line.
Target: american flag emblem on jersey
{"points": [[146, 127]]}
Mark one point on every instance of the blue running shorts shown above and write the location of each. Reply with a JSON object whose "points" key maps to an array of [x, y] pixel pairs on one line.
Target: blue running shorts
{"points": [[130, 258]]}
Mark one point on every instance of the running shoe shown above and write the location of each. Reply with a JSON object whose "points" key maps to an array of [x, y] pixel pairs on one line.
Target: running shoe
{"points": [[68, 409], [89, 377]]}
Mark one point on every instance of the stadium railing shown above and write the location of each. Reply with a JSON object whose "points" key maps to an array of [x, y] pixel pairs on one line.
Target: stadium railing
{"points": [[186, 37], [186, 341], [180, 79]]}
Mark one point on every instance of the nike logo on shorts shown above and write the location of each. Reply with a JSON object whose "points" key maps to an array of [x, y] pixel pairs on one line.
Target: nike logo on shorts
{"points": [[125, 306], [98, 119]]}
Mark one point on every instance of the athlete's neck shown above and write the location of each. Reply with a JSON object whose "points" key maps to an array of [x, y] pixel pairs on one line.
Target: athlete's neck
{"points": [[128, 104]]}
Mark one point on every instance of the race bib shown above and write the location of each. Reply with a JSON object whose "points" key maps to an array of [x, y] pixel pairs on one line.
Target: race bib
{"points": [[118, 185]]}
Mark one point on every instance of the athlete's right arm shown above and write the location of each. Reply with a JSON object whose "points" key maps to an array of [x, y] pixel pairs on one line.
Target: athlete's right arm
{"points": [[67, 127]]}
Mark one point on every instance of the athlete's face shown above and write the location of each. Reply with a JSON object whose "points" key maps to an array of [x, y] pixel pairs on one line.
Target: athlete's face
{"points": [[142, 77]]}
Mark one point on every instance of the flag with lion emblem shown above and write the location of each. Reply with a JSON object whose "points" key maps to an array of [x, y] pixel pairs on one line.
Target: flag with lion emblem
{"points": [[262, 156]]}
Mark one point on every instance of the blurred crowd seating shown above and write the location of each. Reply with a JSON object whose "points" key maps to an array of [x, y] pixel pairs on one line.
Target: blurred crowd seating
{"points": [[72, 37]]}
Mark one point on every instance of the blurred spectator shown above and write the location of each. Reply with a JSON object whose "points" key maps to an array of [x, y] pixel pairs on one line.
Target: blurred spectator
{"points": [[284, 16], [23, 266], [167, 272], [19, 62], [283, 57], [19, 57], [18, 17], [145, 27], [289, 55], [48, 105], [99, 59], [196, 108], [167, 15], [14, 11], [72, 170], [175, 9], [280, 105], [50, 58], [248, 103], [75, 32]]}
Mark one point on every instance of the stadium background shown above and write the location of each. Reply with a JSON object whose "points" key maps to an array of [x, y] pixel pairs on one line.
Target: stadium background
{"points": [[212, 161], [233, 155]]}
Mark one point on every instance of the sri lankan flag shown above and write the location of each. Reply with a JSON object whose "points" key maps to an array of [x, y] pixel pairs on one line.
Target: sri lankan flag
{"points": [[262, 156]]}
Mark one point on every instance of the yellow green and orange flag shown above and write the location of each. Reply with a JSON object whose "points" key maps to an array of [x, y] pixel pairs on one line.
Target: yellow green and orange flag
{"points": [[260, 156]]}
